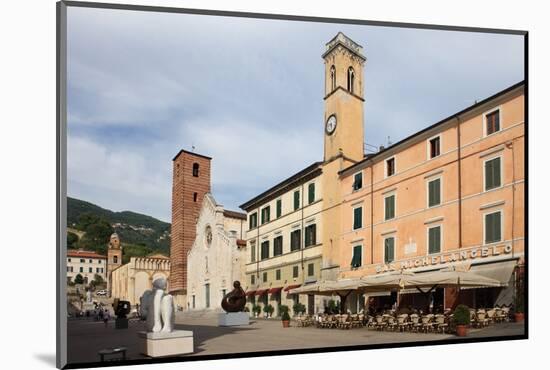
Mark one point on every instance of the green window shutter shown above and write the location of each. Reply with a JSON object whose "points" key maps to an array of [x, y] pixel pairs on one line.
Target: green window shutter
{"points": [[389, 250], [390, 207], [357, 256], [279, 207], [492, 174], [488, 175], [357, 218], [492, 227], [434, 240], [311, 193], [296, 199], [434, 192], [496, 172]]}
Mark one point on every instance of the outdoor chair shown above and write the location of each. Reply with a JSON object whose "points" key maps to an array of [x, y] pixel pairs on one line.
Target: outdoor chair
{"points": [[500, 316], [491, 316], [392, 323], [402, 322], [380, 323], [371, 323], [415, 322], [481, 320], [427, 323], [441, 324], [361, 320], [345, 322]]}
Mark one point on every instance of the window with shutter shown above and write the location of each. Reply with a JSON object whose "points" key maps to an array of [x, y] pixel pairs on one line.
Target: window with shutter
{"points": [[390, 167], [389, 250], [253, 252], [310, 269], [434, 193], [295, 271], [265, 249], [310, 235], [296, 200], [279, 207], [358, 181], [357, 218], [278, 246], [492, 121], [435, 147], [356, 260], [295, 240], [265, 215], [278, 274], [492, 173], [493, 232], [389, 207], [434, 239], [253, 222], [311, 193]]}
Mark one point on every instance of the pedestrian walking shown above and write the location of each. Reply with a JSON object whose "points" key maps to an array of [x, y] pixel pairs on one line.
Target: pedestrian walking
{"points": [[106, 317]]}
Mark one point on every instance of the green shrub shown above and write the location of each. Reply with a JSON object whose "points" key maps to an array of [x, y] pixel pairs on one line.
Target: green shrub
{"points": [[285, 316], [298, 308], [256, 309], [283, 309], [268, 309], [461, 315]]}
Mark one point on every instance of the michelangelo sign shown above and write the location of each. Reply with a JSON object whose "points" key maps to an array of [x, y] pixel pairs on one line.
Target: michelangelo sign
{"points": [[460, 255]]}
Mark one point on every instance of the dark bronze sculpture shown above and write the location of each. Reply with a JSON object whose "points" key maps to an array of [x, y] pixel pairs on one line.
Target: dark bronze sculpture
{"points": [[235, 300]]}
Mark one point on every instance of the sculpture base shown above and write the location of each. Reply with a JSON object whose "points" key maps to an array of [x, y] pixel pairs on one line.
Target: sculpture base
{"points": [[233, 319], [178, 342], [121, 323]]}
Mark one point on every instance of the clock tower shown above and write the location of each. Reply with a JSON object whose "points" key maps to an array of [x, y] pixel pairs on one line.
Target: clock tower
{"points": [[343, 137], [344, 97]]}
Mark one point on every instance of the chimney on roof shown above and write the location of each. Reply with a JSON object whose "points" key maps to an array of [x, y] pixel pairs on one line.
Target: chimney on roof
{"points": [[381, 148]]}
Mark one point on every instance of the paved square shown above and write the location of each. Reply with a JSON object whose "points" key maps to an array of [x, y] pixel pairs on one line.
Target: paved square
{"points": [[87, 337]]}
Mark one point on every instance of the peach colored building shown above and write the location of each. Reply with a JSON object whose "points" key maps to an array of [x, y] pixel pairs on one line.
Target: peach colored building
{"points": [[451, 193]]}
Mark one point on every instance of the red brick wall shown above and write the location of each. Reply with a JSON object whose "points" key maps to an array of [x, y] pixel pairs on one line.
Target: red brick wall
{"points": [[185, 212]]}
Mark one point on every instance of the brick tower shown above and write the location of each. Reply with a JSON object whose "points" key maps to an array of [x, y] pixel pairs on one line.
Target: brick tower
{"points": [[190, 182]]}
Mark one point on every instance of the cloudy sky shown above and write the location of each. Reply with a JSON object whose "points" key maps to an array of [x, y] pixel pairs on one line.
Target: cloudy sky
{"points": [[248, 93]]}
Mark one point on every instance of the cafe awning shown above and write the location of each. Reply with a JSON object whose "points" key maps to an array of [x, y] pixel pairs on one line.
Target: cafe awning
{"points": [[261, 291], [499, 271], [274, 290], [292, 287], [306, 289], [250, 292]]}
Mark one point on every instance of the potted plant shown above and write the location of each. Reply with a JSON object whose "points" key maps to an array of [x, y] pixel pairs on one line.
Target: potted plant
{"points": [[285, 317], [461, 317], [298, 308], [256, 309], [268, 310]]}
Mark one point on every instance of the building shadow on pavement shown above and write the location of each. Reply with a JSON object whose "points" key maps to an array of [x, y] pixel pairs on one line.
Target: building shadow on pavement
{"points": [[203, 333]]}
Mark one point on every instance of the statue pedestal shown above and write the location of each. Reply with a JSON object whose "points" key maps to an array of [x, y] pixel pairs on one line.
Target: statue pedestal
{"points": [[178, 342], [121, 323], [233, 319]]}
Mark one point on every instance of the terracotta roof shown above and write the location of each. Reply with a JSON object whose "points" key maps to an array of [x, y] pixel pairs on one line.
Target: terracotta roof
{"points": [[84, 254], [234, 214], [241, 243]]}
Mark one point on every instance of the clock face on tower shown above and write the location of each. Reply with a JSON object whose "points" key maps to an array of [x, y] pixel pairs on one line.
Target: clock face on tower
{"points": [[331, 124]]}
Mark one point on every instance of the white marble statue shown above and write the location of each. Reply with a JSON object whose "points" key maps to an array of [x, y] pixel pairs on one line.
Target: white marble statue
{"points": [[158, 307]]}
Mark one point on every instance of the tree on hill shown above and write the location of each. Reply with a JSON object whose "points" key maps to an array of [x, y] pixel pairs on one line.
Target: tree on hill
{"points": [[78, 279], [98, 231], [72, 239]]}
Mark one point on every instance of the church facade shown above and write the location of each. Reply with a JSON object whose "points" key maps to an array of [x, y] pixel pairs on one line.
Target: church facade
{"points": [[216, 258]]}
